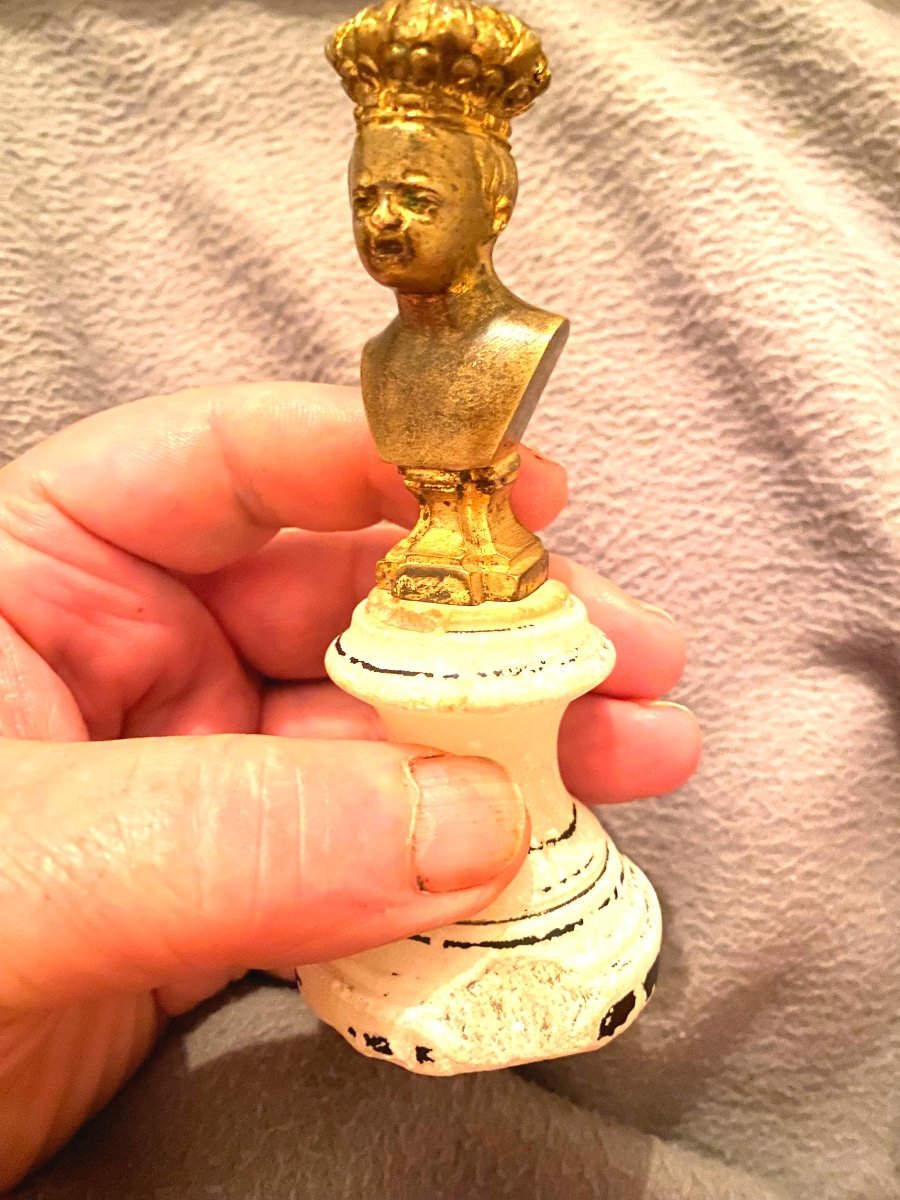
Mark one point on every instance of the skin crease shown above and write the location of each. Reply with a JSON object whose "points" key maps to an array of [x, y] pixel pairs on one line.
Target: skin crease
{"points": [[173, 812]]}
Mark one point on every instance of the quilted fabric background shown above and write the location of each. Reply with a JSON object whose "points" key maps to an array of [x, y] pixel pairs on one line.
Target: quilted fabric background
{"points": [[711, 190]]}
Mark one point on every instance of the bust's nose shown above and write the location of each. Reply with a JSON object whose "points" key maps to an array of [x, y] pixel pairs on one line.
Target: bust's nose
{"points": [[386, 214]]}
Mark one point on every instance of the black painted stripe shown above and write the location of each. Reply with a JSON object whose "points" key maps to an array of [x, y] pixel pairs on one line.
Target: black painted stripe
{"points": [[617, 1015], [522, 941], [575, 874], [566, 833], [378, 1043], [533, 940], [502, 629], [545, 912], [367, 666], [651, 978]]}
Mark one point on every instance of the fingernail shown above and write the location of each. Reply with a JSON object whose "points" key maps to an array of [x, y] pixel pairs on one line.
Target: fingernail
{"points": [[657, 612], [469, 824], [657, 704]]}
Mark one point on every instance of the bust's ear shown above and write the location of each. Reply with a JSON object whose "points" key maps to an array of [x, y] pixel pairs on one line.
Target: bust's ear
{"points": [[502, 212]]}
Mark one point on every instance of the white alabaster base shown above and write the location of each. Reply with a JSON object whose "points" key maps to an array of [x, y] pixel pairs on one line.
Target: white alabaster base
{"points": [[565, 959]]}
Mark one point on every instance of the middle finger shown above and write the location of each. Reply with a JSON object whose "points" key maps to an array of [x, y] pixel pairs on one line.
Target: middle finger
{"points": [[610, 750]]}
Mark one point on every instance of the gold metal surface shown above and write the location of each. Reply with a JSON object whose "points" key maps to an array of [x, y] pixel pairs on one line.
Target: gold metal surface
{"points": [[450, 385], [467, 529]]}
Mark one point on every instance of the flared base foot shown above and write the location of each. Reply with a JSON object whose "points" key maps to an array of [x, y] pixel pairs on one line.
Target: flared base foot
{"points": [[479, 996]]}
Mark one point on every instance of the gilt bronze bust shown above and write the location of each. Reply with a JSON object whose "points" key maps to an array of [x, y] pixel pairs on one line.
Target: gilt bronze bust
{"points": [[451, 383]]}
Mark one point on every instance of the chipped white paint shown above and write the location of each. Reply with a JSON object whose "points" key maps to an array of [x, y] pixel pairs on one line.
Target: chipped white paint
{"points": [[564, 959]]}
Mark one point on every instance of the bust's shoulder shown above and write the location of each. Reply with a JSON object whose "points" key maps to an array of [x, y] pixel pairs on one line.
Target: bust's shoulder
{"points": [[384, 337], [527, 325], [377, 351], [532, 333]]}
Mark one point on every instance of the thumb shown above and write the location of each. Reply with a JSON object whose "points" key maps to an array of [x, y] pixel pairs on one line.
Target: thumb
{"points": [[126, 865]]}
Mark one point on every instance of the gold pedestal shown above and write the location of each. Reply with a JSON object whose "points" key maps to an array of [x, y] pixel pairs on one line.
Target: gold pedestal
{"points": [[467, 546]]}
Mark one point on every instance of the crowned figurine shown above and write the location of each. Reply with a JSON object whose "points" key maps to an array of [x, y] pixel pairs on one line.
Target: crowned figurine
{"points": [[452, 382], [565, 958]]}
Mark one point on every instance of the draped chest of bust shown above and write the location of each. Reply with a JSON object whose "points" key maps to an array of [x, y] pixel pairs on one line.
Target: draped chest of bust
{"points": [[483, 381]]}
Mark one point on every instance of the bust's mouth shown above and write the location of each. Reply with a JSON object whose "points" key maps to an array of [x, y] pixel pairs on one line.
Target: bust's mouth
{"points": [[390, 248]]}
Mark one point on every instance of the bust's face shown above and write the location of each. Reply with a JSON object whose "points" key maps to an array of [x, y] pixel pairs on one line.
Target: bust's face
{"points": [[420, 213]]}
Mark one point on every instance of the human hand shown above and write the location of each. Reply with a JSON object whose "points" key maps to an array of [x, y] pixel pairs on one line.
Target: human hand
{"points": [[175, 807]]}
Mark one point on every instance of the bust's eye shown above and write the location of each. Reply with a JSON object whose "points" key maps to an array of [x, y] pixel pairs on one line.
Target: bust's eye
{"points": [[423, 204], [364, 200]]}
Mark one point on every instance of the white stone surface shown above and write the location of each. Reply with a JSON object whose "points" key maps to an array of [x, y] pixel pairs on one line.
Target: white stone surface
{"points": [[564, 959]]}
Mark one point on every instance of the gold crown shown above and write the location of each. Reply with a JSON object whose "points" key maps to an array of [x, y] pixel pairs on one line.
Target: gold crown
{"points": [[464, 64]]}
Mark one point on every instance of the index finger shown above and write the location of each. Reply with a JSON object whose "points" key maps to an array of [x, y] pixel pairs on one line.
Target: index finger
{"points": [[199, 479]]}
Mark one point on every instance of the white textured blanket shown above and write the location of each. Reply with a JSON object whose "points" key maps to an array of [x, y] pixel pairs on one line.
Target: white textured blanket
{"points": [[711, 190]]}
